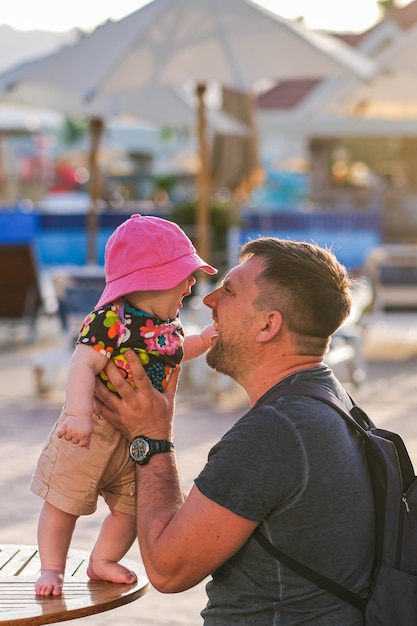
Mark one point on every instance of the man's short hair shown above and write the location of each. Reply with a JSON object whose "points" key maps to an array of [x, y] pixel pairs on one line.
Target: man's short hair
{"points": [[305, 282]]}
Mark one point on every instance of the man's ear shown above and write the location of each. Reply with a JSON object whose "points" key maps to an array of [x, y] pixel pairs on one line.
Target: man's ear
{"points": [[272, 324]]}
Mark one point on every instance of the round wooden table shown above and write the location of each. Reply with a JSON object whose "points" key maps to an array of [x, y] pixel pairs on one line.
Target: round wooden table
{"points": [[19, 569]]}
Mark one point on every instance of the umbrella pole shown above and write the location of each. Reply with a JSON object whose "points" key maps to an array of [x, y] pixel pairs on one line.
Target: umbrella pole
{"points": [[96, 131], [203, 179]]}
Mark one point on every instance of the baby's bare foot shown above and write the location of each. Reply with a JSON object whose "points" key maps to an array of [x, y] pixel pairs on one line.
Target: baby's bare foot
{"points": [[49, 583], [111, 571]]}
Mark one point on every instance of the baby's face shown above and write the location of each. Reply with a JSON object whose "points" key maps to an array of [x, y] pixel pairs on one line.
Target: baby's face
{"points": [[163, 304]]}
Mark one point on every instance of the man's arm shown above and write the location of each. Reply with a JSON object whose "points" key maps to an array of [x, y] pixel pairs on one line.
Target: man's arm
{"points": [[182, 540]]}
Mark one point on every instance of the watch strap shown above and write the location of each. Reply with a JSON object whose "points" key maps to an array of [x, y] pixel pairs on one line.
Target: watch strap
{"points": [[160, 445]]}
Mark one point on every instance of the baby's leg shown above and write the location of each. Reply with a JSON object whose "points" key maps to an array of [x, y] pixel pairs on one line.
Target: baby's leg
{"points": [[117, 534], [55, 529]]}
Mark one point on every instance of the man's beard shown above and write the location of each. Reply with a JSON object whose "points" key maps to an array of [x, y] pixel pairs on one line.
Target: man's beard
{"points": [[224, 359]]}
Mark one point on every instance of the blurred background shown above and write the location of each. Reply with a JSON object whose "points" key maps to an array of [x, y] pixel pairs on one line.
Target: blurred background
{"points": [[247, 119], [288, 118], [312, 158]]}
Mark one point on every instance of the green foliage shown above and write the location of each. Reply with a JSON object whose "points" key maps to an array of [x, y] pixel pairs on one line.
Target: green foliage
{"points": [[387, 5], [73, 130], [167, 182], [220, 216], [167, 133]]}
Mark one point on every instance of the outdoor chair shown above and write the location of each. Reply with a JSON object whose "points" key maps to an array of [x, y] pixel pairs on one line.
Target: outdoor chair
{"points": [[78, 291], [79, 297], [20, 287], [346, 351]]}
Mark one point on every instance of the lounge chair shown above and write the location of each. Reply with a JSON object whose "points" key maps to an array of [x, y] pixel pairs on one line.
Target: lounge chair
{"points": [[19, 286]]}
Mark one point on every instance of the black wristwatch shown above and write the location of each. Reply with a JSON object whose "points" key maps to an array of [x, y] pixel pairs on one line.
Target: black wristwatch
{"points": [[142, 448]]}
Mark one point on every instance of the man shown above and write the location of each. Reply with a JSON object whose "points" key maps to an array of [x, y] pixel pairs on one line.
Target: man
{"points": [[290, 465]]}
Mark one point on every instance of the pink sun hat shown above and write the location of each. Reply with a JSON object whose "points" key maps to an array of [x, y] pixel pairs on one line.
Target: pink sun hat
{"points": [[148, 253]]}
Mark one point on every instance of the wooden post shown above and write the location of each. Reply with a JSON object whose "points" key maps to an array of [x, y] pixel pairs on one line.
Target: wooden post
{"points": [[203, 180], [95, 188]]}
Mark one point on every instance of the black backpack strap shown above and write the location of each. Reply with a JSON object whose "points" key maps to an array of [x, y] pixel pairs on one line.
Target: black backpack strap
{"points": [[360, 421], [356, 416], [310, 574]]}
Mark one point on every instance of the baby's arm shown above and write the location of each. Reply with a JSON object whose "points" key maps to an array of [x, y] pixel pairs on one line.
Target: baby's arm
{"points": [[195, 345], [85, 364]]}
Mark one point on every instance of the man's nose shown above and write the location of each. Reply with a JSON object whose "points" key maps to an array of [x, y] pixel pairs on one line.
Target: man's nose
{"points": [[210, 299]]}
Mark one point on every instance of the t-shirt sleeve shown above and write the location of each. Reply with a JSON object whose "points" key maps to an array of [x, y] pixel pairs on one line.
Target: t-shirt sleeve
{"points": [[257, 467], [102, 329]]}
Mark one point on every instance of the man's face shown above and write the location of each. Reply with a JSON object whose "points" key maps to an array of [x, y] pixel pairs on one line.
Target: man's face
{"points": [[234, 317]]}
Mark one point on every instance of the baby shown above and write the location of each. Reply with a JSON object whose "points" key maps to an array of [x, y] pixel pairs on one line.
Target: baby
{"points": [[149, 264]]}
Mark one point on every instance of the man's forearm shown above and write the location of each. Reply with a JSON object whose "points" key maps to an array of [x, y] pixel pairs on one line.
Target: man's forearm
{"points": [[159, 497]]}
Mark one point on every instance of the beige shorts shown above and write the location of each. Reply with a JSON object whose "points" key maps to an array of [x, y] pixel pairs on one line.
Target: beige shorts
{"points": [[71, 477]]}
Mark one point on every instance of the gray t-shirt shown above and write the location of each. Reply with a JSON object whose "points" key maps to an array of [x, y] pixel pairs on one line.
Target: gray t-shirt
{"points": [[294, 465]]}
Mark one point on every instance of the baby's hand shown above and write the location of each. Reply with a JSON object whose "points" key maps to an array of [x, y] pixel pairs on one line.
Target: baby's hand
{"points": [[77, 430], [207, 335]]}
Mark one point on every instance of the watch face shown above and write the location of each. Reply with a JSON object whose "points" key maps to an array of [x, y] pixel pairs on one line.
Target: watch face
{"points": [[139, 449]]}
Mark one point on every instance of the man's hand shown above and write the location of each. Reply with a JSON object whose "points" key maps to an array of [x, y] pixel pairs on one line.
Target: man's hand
{"points": [[138, 410]]}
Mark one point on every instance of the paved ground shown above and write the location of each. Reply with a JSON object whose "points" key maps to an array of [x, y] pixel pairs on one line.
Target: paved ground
{"points": [[389, 395]]}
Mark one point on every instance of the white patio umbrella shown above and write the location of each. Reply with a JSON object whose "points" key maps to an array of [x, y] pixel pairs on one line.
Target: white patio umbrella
{"points": [[232, 42], [167, 42], [37, 83]]}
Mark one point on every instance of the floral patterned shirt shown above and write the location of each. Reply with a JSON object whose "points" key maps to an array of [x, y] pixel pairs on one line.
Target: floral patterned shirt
{"points": [[119, 326]]}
